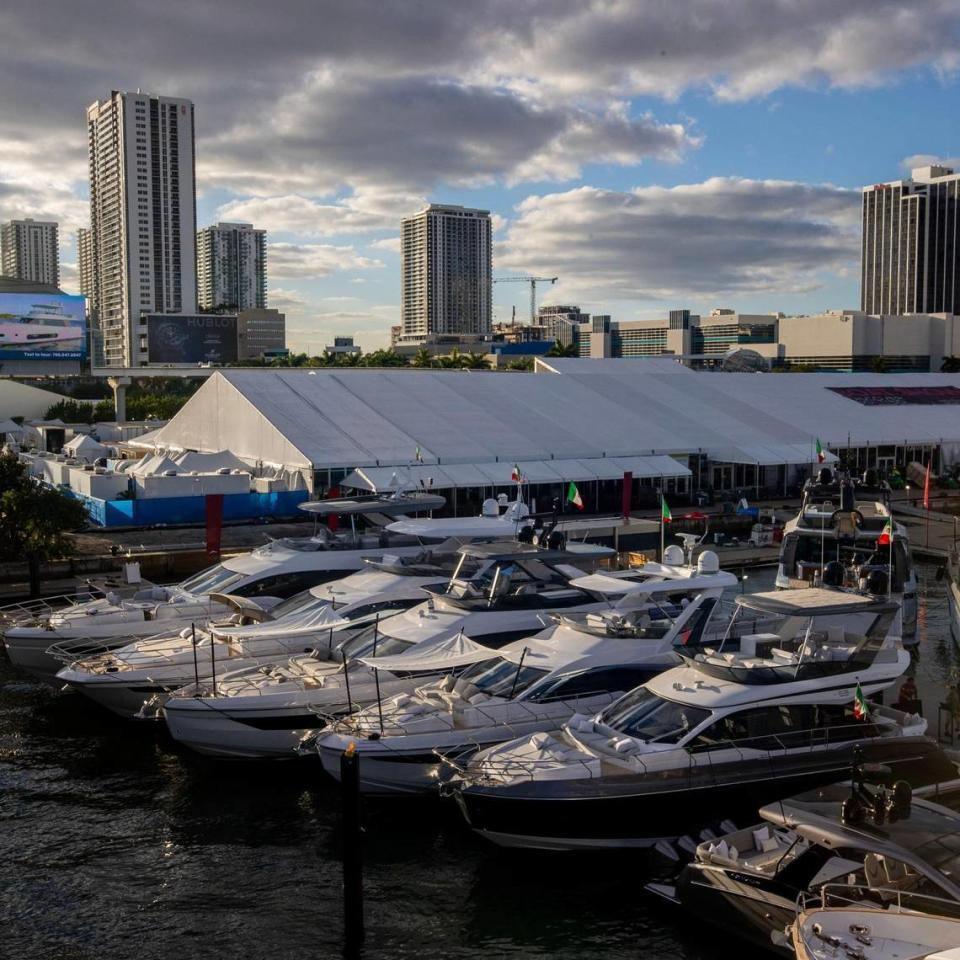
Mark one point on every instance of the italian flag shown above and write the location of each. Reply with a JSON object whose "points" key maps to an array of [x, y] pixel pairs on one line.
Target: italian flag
{"points": [[516, 476], [665, 515], [886, 534], [573, 496], [860, 710], [821, 456]]}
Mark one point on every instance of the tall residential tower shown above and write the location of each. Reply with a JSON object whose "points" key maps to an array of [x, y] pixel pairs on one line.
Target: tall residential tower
{"points": [[232, 267], [446, 272], [30, 251], [143, 216], [910, 254]]}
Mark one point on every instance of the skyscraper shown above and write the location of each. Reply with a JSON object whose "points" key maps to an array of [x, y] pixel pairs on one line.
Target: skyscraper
{"points": [[446, 272], [232, 267], [85, 268], [910, 257], [31, 251], [142, 215]]}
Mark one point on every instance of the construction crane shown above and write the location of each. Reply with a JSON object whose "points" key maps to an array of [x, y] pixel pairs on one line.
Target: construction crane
{"points": [[533, 281]]}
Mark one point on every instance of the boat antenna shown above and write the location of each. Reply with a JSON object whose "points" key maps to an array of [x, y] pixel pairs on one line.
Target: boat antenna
{"points": [[516, 676], [346, 679]]}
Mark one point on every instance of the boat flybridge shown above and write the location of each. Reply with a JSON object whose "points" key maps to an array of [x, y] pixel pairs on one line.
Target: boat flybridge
{"points": [[707, 739], [508, 596], [874, 857], [277, 570], [845, 535], [580, 663]]}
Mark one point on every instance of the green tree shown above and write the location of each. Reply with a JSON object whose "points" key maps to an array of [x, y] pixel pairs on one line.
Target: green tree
{"points": [[34, 519], [474, 361], [422, 358], [880, 365], [383, 358], [950, 365], [70, 411], [520, 363], [563, 350]]}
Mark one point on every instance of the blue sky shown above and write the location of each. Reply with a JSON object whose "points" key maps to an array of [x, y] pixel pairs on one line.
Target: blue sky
{"points": [[650, 155]]}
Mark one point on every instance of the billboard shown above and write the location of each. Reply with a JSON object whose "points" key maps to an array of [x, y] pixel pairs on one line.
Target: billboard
{"points": [[900, 396], [43, 326], [185, 338]]}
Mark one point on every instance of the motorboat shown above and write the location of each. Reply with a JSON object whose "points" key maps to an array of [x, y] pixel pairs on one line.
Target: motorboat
{"points": [[845, 535], [121, 679], [712, 737], [877, 848], [44, 326], [278, 570], [837, 922], [581, 663], [265, 711]]}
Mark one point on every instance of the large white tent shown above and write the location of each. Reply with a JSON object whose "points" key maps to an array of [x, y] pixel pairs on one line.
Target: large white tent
{"points": [[578, 419]]}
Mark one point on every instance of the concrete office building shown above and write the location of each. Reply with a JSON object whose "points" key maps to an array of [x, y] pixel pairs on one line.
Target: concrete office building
{"points": [[31, 251], [143, 216], [232, 267], [261, 333], [446, 273], [910, 257], [560, 323]]}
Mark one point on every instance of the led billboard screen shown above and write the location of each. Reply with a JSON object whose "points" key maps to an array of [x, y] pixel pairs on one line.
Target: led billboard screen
{"points": [[42, 326], [205, 338]]}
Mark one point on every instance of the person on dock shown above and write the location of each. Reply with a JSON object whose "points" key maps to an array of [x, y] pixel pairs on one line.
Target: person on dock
{"points": [[909, 701]]}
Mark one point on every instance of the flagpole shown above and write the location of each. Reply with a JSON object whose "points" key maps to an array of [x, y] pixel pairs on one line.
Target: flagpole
{"points": [[661, 525]]}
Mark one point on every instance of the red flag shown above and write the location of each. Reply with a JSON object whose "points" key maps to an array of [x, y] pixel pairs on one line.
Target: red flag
{"points": [[926, 488]]}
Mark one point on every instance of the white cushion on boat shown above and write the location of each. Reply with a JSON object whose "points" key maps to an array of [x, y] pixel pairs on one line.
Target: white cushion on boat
{"points": [[623, 745], [479, 698], [760, 835], [769, 845]]}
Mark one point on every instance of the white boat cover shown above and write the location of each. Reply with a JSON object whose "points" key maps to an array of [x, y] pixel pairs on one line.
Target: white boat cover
{"points": [[437, 653], [541, 756], [312, 621], [674, 580]]}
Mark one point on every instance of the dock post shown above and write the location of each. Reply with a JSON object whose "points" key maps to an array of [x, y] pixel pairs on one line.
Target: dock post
{"points": [[352, 860]]}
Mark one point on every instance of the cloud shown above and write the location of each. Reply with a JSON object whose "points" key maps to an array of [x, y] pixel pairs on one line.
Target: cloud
{"points": [[361, 211], [290, 301], [929, 160], [392, 244], [289, 260], [69, 277], [721, 236]]}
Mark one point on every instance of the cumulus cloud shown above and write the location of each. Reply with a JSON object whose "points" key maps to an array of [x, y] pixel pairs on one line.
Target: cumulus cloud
{"points": [[285, 300], [722, 236], [391, 244], [929, 160], [289, 260]]}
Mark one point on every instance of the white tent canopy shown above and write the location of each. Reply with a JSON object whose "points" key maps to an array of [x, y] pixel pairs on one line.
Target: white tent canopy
{"points": [[84, 447], [460, 475], [209, 462], [770, 455], [10, 428]]}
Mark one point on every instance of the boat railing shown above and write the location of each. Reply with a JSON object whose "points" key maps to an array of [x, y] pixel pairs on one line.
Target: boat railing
{"points": [[865, 896], [34, 612]]}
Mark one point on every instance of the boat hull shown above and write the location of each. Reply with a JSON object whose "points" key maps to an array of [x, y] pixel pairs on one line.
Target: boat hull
{"points": [[638, 811]]}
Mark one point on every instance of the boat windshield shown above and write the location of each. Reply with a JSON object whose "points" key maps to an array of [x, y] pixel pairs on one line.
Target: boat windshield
{"points": [[501, 678], [300, 605], [372, 642], [215, 579], [646, 716]]}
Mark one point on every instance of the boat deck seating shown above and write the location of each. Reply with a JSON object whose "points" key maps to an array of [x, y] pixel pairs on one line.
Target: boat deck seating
{"points": [[886, 876], [760, 849]]}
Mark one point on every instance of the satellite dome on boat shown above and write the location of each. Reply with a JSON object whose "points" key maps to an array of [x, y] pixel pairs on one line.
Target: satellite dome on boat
{"points": [[673, 555], [708, 562], [490, 508]]}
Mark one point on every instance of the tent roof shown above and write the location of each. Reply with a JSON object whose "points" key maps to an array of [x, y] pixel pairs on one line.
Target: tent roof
{"points": [[469, 423]]}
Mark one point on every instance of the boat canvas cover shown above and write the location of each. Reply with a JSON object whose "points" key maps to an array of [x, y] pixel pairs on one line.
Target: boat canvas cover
{"points": [[313, 621], [675, 580], [812, 602], [438, 653]]}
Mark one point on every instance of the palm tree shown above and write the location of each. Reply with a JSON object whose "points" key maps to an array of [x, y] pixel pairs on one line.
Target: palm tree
{"points": [[520, 363], [422, 358], [474, 361], [564, 350]]}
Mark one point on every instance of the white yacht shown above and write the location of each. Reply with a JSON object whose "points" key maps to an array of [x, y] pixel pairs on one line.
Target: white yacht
{"points": [[579, 664], [724, 732], [45, 325], [845, 535], [278, 570], [122, 679], [265, 711]]}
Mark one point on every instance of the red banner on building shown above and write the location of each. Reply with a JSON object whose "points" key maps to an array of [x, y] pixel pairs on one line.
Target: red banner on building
{"points": [[214, 524]]}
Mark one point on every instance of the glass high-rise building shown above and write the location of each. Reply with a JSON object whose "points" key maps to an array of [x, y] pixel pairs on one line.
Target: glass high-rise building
{"points": [[910, 254]]}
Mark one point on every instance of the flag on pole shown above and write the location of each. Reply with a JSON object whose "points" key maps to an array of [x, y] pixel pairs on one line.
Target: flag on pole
{"points": [[926, 488], [418, 455], [860, 708], [515, 475], [886, 534], [821, 456], [665, 515], [573, 496]]}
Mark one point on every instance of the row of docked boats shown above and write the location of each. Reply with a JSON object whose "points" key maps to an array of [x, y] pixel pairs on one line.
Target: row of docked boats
{"points": [[563, 706]]}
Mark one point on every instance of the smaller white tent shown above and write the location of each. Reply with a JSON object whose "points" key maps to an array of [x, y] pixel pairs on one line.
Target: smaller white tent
{"points": [[9, 428], [85, 448], [210, 462], [154, 466]]}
